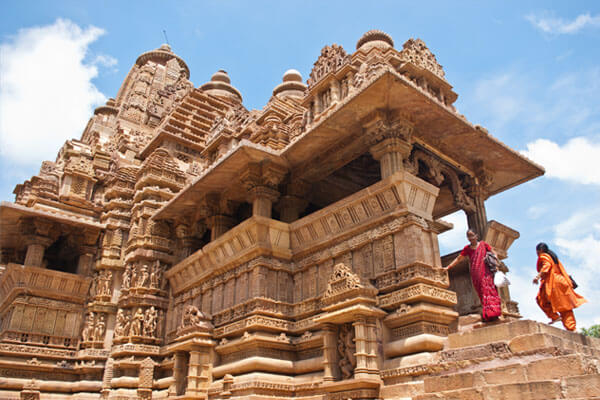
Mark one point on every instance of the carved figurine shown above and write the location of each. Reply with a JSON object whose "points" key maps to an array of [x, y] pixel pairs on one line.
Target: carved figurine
{"points": [[144, 277], [88, 329], [99, 329], [192, 316], [134, 276], [126, 278], [347, 348], [150, 322], [160, 323], [136, 323], [94, 286], [155, 276], [122, 327], [105, 283]]}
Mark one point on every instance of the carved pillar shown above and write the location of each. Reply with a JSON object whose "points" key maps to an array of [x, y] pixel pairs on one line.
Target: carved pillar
{"points": [[188, 239], [478, 191], [85, 264], [362, 348], [262, 198], [477, 219], [317, 102], [371, 327], [199, 374], [261, 180], [330, 367], [390, 153], [391, 143], [193, 374], [294, 201], [291, 207], [219, 224], [36, 246], [179, 373], [335, 91]]}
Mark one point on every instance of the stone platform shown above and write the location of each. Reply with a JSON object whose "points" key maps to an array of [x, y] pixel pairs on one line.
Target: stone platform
{"points": [[514, 360]]}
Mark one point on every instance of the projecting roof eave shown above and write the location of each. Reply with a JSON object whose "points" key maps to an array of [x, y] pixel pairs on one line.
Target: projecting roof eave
{"points": [[10, 213], [223, 176], [438, 128]]}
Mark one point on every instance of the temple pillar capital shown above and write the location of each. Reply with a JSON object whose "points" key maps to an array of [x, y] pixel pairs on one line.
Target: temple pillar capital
{"points": [[391, 143]]}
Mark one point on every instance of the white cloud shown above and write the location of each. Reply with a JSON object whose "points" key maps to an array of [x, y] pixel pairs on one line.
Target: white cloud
{"points": [[46, 89], [560, 26], [536, 211], [576, 161]]}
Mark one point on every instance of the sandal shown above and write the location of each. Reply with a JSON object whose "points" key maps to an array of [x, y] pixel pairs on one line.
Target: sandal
{"points": [[554, 320]]}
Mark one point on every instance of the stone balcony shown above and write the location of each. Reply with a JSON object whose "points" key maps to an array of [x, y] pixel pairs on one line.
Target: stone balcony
{"points": [[40, 306], [18, 279], [253, 237], [396, 195]]}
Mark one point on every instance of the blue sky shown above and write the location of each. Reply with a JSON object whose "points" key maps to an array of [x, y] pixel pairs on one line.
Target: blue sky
{"points": [[528, 71]]}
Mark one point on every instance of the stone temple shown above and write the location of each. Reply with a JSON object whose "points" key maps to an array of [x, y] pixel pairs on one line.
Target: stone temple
{"points": [[186, 247]]}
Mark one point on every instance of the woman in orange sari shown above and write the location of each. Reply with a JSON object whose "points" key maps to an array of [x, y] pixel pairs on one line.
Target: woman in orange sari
{"points": [[556, 296]]}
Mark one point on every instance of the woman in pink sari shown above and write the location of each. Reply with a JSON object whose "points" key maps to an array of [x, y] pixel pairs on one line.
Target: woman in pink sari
{"points": [[481, 276]]}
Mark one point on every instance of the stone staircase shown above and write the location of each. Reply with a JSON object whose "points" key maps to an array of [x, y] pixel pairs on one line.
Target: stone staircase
{"points": [[522, 360]]}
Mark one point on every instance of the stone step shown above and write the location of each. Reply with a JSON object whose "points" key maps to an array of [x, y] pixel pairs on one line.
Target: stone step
{"points": [[505, 332], [399, 391], [582, 386], [513, 372], [574, 387]]}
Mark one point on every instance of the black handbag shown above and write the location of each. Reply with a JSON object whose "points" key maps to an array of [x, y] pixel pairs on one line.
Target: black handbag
{"points": [[573, 283], [491, 261]]}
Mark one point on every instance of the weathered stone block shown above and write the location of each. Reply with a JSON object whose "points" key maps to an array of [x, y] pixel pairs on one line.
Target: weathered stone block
{"points": [[464, 394], [533, 342], [401, 390], [524, 391], [514, 373], [452, 382], [555, 368], [584, 386]]}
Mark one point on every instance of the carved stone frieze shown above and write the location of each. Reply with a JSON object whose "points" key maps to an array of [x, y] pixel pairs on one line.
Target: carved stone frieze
{"points": [[418, 292]]}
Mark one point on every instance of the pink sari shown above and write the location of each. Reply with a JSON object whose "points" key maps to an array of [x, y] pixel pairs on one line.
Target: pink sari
{"points": [[483, 281]]}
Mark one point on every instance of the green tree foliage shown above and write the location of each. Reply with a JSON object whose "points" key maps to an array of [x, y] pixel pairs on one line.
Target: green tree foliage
{"points": [[593, 331]]}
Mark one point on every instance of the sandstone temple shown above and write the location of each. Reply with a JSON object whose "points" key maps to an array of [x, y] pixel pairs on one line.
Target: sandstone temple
{"points": [[186, 247]]}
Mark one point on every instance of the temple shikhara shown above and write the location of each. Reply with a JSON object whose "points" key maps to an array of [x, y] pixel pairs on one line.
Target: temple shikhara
{"points": [[187, 247]]}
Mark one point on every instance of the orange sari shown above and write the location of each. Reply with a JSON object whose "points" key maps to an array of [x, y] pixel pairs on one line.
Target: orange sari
{"points": [[556, 294]]}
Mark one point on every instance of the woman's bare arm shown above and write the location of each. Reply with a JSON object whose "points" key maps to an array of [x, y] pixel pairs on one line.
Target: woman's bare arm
{"points": [[456, 261]]}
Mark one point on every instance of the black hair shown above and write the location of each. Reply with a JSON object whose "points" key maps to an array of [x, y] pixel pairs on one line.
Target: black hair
{"points": [[473, 232], [543, 247]]}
